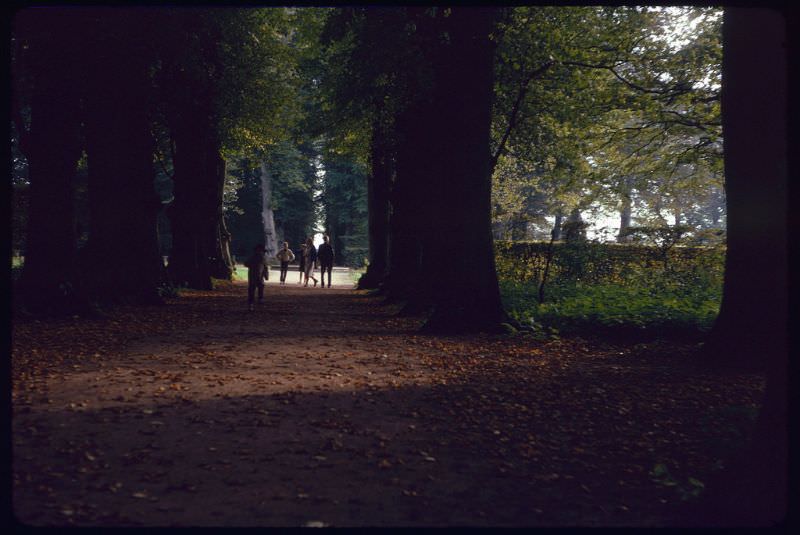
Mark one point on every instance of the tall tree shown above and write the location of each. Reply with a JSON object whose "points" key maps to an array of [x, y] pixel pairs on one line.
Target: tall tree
{"points": [[270, 240], [48, 125], [121, 258], [189, 60], [378, 206], [471, 299], [227, 76], [752, 325]]}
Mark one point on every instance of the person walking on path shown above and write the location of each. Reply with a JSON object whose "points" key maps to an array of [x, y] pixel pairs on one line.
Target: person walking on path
{"points": [[301, 255], [310, 254], [325, 256], [285, 256], [257, 272]]}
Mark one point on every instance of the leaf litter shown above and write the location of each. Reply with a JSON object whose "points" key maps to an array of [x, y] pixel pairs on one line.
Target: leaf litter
{"points": [[348, 417]]}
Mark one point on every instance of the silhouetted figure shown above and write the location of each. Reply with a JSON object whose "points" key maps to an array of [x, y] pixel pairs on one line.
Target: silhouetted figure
{"points": [[310, 254], [257, 272], [285, 255], [325, 256]]}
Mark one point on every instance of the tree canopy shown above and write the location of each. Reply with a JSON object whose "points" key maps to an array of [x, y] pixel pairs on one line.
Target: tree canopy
{"points": [[594, 110]]}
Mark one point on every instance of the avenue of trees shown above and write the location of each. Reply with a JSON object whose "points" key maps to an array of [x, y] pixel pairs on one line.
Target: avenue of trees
{"points": [[274, 124], [415, 116]]}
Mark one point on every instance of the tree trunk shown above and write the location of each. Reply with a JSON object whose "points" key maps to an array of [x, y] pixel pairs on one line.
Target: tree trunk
{"points": [[267, 215], [625, 211], [52, 147], [421, 162], [191, 97], [576, 229], [555, 234], [378, 207], [469, 301], [225, 245], [222, 265], [752, 325], [409, 198], [122, 254], [194, 214]]}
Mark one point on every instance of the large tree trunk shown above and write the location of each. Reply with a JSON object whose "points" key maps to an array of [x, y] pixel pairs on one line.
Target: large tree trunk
{"points": [[267, 215], [122, 254], [752, 325], [199, 169], [470, 299], [194, 212], [222, 265], [408, 201], [419, 161], [52, 147], [225, 245], [378, 206]]}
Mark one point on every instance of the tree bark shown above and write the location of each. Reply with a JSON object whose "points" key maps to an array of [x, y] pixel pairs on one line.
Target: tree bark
{"points": [[52, 147], [225, 245], [222, 266], [409, 204], [267, 215], [378, 205], [191, 114], [194, 214], [625, 211], [751, 328], [470, 299], [122, 254]]}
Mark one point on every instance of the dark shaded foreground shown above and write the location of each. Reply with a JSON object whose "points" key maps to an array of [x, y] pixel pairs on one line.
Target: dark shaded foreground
{"points": [[323, 408]]}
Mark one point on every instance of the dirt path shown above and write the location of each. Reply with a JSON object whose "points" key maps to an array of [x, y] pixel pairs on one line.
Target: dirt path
{"points": [[323, 408]]}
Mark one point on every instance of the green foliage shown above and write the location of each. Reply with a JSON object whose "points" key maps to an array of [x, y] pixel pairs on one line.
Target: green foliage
{"points": [[240, 273], [613, 288], [244, 219], [344, 200], [599, 104], [293, 178]]}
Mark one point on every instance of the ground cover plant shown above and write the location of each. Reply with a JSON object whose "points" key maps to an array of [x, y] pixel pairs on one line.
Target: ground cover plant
{"points": [[610, 289]]}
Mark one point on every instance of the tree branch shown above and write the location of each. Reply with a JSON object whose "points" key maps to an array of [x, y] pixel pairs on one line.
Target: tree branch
{"points": [[512, 120], [669, 93]]}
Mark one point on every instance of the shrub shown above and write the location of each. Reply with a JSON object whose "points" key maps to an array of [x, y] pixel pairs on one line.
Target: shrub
{"points": [[608, 287]]}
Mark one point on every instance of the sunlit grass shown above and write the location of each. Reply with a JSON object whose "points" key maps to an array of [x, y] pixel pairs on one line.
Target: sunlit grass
{"points": [[578, 307]]}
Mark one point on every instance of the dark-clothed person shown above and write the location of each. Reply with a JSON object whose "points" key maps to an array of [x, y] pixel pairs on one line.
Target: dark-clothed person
{"points": [[257, 272], [325, 257]]}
